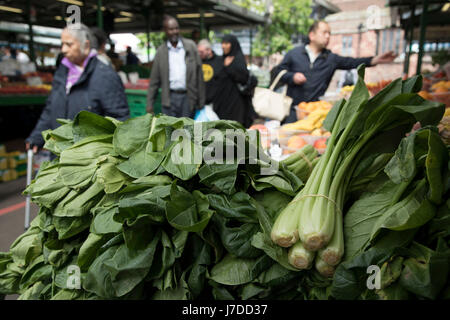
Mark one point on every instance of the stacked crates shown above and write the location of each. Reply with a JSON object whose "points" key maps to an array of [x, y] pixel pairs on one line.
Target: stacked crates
{"points": [[137, 102], [12, 165]]}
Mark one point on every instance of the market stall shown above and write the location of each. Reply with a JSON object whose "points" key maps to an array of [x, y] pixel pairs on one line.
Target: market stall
{"points": [[152, 217]]}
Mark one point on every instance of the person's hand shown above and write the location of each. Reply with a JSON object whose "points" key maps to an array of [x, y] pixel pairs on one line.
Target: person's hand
{"points": [[299, 78], [35, 147], [386, 57], [228, 60]]}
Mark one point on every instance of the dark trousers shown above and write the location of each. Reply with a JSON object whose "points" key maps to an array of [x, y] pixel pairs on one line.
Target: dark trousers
{"points": [[179, 106], [292, 116]]}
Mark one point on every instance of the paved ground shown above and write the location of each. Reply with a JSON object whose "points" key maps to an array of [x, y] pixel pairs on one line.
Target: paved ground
{"points": [[12, 211], [12, 214]]}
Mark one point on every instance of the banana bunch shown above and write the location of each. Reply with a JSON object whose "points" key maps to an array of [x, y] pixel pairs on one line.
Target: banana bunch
{"points": [[313, 121]]}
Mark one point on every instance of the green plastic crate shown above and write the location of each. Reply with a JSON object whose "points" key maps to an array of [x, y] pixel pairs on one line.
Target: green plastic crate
{"points": [[137, 102], [144, 72]]}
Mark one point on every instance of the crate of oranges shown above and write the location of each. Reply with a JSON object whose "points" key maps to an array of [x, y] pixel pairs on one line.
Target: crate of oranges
{"points": [[304, 109]]}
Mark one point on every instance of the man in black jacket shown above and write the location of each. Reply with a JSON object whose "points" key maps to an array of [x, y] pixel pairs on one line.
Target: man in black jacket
{"points": [[310, 67], [81, 82]]}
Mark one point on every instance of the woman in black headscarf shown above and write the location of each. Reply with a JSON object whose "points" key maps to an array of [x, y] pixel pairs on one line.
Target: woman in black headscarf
{"points": [[228, 102]]}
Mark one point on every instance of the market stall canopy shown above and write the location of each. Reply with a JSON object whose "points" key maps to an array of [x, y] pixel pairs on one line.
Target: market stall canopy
{"points": [[437, 18], [131, 16], [425, 20]]}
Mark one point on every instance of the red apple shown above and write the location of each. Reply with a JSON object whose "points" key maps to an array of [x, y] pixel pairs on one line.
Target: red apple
{"points": [[320, 143]]}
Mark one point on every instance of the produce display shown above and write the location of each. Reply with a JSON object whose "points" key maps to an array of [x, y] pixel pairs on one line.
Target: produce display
{"points": [[46, 77], [119, 206], [308, 130], [306, 108], [19, 86], [25, 89], [436, 86], [141, 84]]}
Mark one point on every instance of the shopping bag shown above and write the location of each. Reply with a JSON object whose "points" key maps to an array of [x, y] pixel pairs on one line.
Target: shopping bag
{"points": [[270, 104], [206, 114]]}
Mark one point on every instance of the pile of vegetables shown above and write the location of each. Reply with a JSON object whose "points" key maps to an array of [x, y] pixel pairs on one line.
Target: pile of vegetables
{"points": [[138, 223], [409, 186], [119, 203]]}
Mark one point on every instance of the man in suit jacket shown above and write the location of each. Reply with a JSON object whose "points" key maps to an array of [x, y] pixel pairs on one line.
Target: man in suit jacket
{"points": [[177, 70]]}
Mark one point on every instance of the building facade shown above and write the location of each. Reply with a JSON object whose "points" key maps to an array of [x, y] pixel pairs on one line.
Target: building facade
{"points": [[367, 28]]}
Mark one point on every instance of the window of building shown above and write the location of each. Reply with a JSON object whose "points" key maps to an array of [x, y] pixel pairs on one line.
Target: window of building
{"points": [[347, 45]]}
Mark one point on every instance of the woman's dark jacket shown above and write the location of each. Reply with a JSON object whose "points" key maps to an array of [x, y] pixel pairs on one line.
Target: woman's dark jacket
{"points": [[99, 90], [228, 102]]}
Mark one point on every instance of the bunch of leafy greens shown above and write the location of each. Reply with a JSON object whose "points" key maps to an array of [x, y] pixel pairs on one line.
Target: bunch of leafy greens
{"points": [[128, 212], [365, 133], [401, 224]]}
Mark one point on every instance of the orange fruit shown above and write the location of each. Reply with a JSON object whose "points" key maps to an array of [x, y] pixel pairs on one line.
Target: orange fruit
{"points": [[426, 95], [296, 142]]}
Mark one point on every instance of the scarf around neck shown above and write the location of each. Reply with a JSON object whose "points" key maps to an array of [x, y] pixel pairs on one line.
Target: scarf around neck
{"points": [[76, 71]]}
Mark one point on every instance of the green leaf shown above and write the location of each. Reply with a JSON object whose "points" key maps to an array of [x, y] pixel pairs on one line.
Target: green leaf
{"points": [[141, 163], [439, 226], [89, 250], [285, 182], [164, 259], [36, 271], [145, 183], [220, 177], [236, 207], [197, 277], [78, 163], [111, 178], [436, 170], [181, 292], [120, 269], [412, 85], [132, 135], [188, 212], [66, 295], [277, 275], [87, 124], [273, 201], [27, 247], [426, 272], [235, 236], [264, 242], [350, 278], [390, 271], [357, 100], [69, 226], [103, 222], [35, 292], [236, 271], [47, 188], [77, 204], [330, 120], [412, 212], [180, 160], [402, 166], [393, 292], [57, 253]]}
